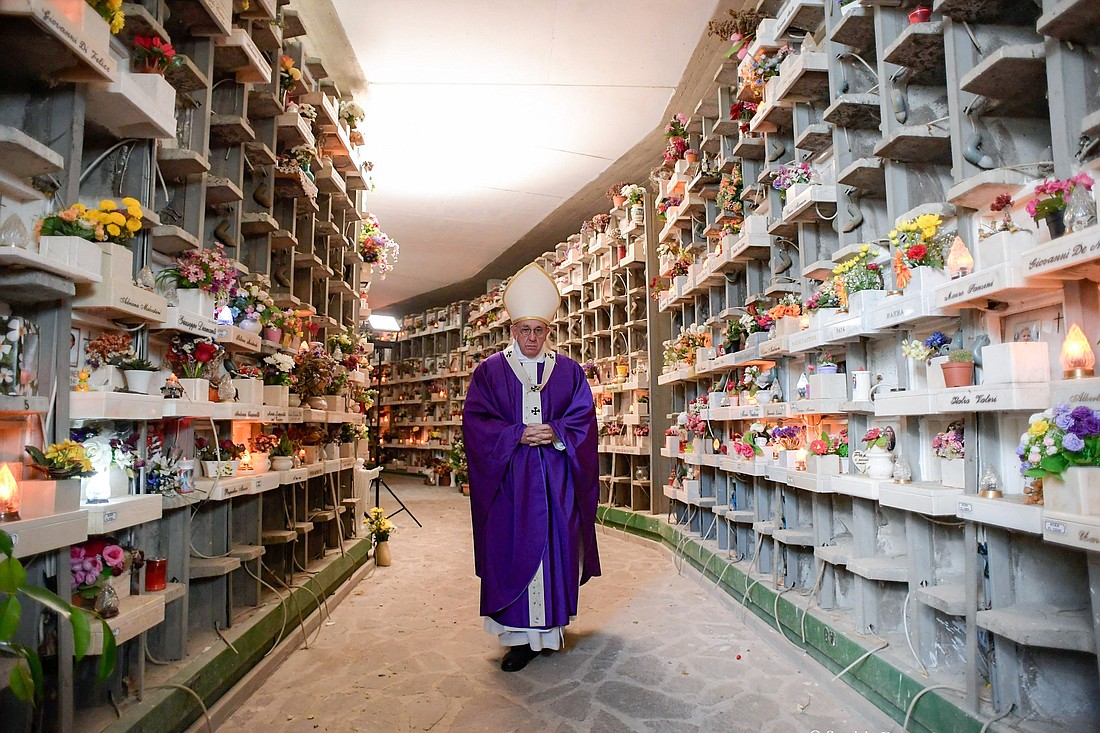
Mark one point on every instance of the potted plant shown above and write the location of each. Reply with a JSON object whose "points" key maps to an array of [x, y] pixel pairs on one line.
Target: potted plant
{"points": [[615, 193], [282, 454], [314, 370], [248, 383], [251, 305], [1062, 449], [262, 445], [958, 370], [861, 280], [1051, 199], [104, 354], [200, 278], [152, 55], [634, 195], [691, 155], [101, 574], [221, 459], [380, 527], [920, 249], [949, 447], [278, 376], [826, 364], [823, 458], [672, 440], [139, 373]]}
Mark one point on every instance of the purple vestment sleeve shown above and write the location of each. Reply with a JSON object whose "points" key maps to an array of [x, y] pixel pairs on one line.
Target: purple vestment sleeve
{"points": [[524, 498]]}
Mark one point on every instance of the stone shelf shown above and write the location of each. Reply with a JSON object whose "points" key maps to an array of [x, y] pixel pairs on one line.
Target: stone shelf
{"points": [[177, 163], [267, 35], [238, 53], [70, 40], [750, 148], [292, 24], [263, 104], [1043, 626], [258, 224], [204, 17], [16, 259], [185, 77], [1004, 283], [136, 614], [949, 598], [121, 512], [221, 190], [889, 569], [203, 568], [928, 498], [867, 175], [1010, 512], [172, 240], [1014, 75], [799, 537], [816, 138], [51, 532], [1070, 257], [855, 111], [21, 157], [979, 191], [227, 130], [855, 29], [258, 154], [922, 144], [838, 554], [804, 15], [920, 48], [292, 129], [804, 78]]}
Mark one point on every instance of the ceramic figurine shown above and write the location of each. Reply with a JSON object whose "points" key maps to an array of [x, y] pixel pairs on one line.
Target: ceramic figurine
{"points": [[82, 381], [172, 388]]}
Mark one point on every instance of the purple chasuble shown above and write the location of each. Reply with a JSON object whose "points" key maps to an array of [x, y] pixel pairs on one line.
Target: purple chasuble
{"points": [[531, 504]]}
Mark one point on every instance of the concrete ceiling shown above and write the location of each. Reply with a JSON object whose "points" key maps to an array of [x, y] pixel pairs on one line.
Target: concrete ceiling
{"points": [[495, 127]]}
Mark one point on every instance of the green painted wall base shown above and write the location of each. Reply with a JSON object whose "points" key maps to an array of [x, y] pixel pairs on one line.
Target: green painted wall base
{"points": [[216, 670], [890, 689]]}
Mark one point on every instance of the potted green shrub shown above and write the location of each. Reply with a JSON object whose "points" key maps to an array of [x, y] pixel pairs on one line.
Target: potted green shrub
{"points": [[958, 370], [139, 374]]}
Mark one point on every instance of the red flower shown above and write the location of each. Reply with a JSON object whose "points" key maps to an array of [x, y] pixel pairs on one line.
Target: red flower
{"points": [[873, 267], [819, 447], [916, 252], [204, 352], [1002, 202]]}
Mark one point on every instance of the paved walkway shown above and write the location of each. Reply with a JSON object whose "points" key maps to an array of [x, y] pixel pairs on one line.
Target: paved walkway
{"points": [[651, 651]]}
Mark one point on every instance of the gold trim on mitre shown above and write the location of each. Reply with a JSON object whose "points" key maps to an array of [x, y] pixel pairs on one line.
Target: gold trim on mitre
{"points": [[535, 298]]}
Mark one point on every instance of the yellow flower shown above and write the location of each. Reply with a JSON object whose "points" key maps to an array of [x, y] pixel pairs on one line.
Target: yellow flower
{"points": [[79, 208], [113, 230], [130, 202], [134, 211], [114, 4], [117, 22], [116, 218], [107, 205], [133, 225], [864, 248], [1038, 428]]}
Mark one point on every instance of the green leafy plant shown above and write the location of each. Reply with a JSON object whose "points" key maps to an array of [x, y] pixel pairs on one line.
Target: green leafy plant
{"points": [[960, 356], [27, 681], [137, 365], [458, 460]]}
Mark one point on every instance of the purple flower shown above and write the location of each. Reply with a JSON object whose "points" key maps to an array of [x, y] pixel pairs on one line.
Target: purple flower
{"points": [[1081, 412], [1063, 421], [1072, 443], [1020, 450], [1089, 426]]}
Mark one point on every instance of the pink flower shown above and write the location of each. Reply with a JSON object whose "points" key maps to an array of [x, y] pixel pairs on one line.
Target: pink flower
{"points": [[114, 556]]}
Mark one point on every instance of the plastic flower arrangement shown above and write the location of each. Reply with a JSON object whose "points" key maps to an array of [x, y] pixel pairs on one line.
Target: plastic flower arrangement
{"points": [[192, 355], [1053, 196], [94, 561], [206, 269], [633, 193], [1058, 439], [641, 431], [379, 526], [753, 321], [861, 272], [763, 67], [252, 301], [1001, 205], [61, 460], [676, 127], [308, 112], [289, 74], [352, 114], [746, 451], [278, 370], [788, 175], [155, 55], [667, 203], [788, 436], [315, 371], [288, 321], [162, 474], [876, 438], [225, 450], [788, 306], [949, 444], [758, 431], [304, 154], [378, 249], [599, 222], [750, 380], [921, 242], [740, 29], [825, 297], [742, 113], [249, 371], [729, 193], [674, 150], [108, 348], [109, 222], [916, 350], [110, 11]]}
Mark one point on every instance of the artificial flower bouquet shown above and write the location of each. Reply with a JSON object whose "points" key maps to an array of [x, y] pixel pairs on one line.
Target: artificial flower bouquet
{"points": [[252, 301], [111, 11], [729, 194], [860, 272], [109, 222], [921, 242], [264, 443], [1052, 196], [208, 270], [876, 438], [788, 175], [633, 193], [763, 67], [193, 356], [278, 370], [108, 349], [1059, 439], [154, 55], [379, 526], [377, 248], [61, 461], [289, 74], [949, 444], [742, 113], [95, 561], [315, 371], [789, 437], [739, 29], [351, 114]]}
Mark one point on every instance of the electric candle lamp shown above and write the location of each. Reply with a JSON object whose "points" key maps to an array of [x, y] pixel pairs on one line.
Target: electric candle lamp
{"points": [[1078, 358], [959, 260], [11, 497], [97, 488], [225, 316], [246, 461], [800, 459]]}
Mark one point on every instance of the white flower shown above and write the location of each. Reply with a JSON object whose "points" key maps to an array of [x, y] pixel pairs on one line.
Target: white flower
{"points": [[15, 329], [1051, 450], [6, 376], [1048, 441]]}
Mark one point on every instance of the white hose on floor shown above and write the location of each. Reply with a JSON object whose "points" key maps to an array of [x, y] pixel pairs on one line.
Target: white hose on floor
{"points": [[919, 695]]}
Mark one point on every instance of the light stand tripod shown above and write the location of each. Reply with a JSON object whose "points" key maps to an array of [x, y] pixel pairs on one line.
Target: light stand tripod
{"points": [[378, 484]]}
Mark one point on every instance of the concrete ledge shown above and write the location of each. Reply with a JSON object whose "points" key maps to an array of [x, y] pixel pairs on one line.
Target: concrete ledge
{"points": [[886, 686], [214, 672]]}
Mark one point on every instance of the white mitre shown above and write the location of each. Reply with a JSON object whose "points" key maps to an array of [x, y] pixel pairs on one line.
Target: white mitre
{"points": [[532, 294]]}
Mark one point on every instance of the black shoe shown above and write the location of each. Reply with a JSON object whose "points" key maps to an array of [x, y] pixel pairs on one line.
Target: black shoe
{"points": [[517, 658]]}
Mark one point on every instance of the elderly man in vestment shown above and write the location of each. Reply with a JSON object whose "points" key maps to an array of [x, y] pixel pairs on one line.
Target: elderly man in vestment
{"points": [[530, 431]]}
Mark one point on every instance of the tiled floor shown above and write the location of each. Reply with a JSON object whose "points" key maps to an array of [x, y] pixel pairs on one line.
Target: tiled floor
{"points": [[651, 650]]}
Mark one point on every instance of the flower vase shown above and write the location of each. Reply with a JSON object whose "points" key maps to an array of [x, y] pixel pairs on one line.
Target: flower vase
{"points": [[282, 463], [880, 463], [251, 325], [382, 557], [107, 378], [1056, 223], [274, 335], [637, 214], [917, 372], [195, 300], [953, 473], [618, 201], [1080, 211], [121, 584], [1076, 491], [826, 369], [196, 390], [261, 463]]}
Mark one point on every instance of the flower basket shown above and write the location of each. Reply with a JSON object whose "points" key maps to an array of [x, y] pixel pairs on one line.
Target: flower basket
{"points": [[224, 469], [1013, 362], [196, 390], [249, 391], [195, 300], [1076, 492], [953, 472], [275, 395]]}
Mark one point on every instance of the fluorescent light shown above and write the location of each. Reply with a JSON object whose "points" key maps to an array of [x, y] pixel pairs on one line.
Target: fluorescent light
{"points": [[383, 323]]}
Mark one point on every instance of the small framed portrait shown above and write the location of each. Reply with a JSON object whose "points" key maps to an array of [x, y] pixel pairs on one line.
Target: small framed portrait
{"points": [[75, 346], [1026, 332]]}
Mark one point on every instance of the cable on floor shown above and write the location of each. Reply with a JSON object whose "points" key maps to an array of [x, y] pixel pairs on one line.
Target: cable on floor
{"points": [[192, 693], [297, 605], [908, 637], [228, 643], [861, 657], [919, 695], [282, 605], [1003, 715], [816, 589]]}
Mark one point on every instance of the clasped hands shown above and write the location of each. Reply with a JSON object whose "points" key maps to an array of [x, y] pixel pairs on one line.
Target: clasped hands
{"points": [[538, 434]]}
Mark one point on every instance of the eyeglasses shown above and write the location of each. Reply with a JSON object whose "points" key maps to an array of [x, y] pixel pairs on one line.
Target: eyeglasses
{"points": [[527, 331]]}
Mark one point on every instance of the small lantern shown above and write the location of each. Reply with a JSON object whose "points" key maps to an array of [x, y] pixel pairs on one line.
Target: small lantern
{"points": [[903, 474], [97, 487], [225, 316], [1078, 358], [11, 497], [959, 260], [246, 461], [990, 484], [800, 459]]}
